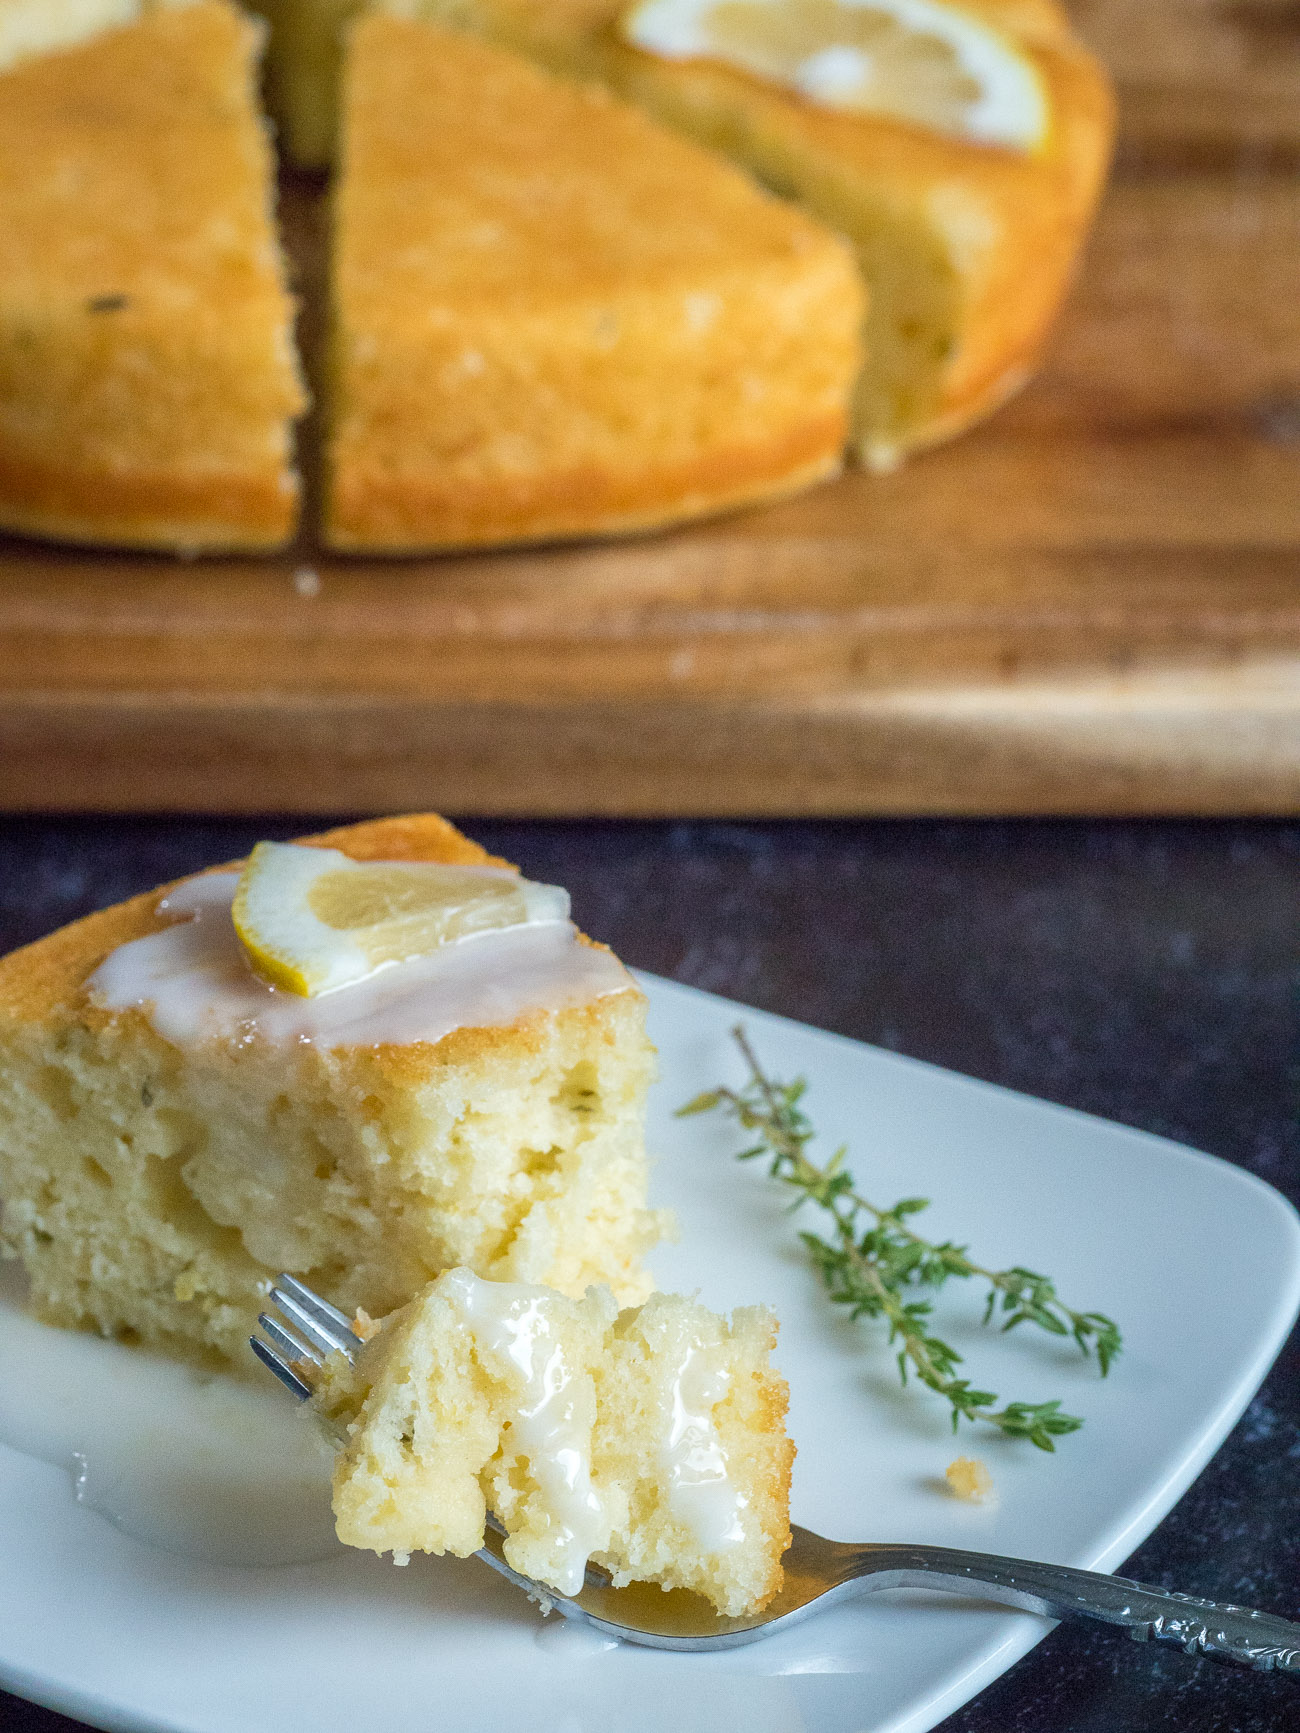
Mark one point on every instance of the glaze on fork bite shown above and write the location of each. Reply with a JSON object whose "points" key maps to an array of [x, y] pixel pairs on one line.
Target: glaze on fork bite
{"points": [[650, 1442]]}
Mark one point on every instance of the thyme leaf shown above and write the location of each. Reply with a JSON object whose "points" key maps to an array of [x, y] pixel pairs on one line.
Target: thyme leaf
{"points": [[873, 1262]]}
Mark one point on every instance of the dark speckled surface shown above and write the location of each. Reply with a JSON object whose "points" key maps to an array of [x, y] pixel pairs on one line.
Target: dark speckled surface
{"points": [[1142, 971]]}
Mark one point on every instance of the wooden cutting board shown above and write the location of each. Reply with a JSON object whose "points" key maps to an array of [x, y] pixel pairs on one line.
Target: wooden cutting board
{"points": [[1092, 604]]}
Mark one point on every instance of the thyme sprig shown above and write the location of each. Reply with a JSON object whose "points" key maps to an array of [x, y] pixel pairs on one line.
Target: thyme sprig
{"points": [[878, 1266]]}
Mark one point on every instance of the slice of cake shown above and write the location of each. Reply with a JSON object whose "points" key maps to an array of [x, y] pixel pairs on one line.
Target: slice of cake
{"points": [[650, 1441], [148, 381], [967, 245], [553, 319], [174, 1131]]}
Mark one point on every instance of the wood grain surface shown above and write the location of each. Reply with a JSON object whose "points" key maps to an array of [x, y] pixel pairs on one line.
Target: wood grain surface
{"points": [[1091, 604]]}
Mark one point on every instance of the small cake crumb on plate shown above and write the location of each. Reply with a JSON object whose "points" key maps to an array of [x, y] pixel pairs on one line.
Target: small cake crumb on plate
{"points": [[968, 1478]]}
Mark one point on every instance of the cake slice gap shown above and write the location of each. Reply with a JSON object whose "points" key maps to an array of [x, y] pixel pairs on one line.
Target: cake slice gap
{"points": [[304, 71]]}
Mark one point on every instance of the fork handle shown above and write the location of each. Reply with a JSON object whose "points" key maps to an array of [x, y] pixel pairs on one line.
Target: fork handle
{"points": [[1261, 1641]]}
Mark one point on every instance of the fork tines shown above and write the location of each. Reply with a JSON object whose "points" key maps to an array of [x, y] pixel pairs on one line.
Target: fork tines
{"points": [[318, 1330]]}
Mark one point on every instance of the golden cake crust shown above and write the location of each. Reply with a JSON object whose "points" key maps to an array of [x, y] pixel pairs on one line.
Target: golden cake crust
{"points": [[377, 510], [147, 371], [623, 331]]}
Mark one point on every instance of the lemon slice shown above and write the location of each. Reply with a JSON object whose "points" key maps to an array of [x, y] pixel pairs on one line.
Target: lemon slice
{"points": [[312, 920], [935, 66]]}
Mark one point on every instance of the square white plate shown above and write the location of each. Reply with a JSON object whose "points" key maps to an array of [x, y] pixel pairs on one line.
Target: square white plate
{"points": [[104, 1628]]}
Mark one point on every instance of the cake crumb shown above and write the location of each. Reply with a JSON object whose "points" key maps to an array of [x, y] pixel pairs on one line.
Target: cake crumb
{"points": [[968, 1478]]}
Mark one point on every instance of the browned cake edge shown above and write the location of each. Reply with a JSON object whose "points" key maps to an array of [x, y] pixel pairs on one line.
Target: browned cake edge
{"points": [[377, 512], [1019, 303], [232, 513]]}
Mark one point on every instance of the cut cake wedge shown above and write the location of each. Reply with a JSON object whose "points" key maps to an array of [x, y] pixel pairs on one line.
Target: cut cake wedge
{"points": [[148, 379], [967, 248], [175, 1133], [551, 318]]}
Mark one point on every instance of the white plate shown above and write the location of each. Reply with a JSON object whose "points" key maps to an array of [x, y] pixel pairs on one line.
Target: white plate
{"points": [[104, 1628]]}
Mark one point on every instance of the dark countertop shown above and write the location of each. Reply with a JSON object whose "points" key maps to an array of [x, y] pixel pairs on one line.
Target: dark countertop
{"points": [[1146, 972]]}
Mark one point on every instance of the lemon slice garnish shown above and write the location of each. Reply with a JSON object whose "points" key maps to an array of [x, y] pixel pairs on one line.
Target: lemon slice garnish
{"points": [[935, 66], [312, 920]]}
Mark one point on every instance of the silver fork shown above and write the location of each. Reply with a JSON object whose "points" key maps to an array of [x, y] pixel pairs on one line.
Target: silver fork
{"points": [[820, 1573]]}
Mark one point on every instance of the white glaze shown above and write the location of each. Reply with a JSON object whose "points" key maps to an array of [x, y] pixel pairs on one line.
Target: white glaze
{"points": [[700, 1491], [207, 1467], [196, 983], [514, 1320]]}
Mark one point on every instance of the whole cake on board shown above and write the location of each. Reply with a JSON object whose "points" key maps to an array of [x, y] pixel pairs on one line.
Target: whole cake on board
{"points": [[680, 263]]}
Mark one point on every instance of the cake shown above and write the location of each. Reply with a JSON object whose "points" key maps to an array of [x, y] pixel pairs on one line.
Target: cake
{"points": [[553, 318], [650, 1441], [148, 380], [967, 248], [174, 1133]]}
